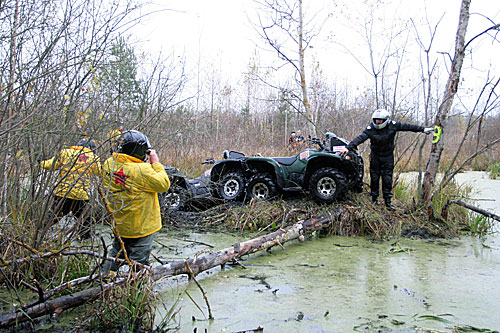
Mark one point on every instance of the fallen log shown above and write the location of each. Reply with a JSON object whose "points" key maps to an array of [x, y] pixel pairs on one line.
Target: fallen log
{"points": [[236, 251], [473, 208], [197, 265], [57, 304]]}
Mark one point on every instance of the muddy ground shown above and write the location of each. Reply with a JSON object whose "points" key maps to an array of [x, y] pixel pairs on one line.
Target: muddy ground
{"points": [[256, 216]]}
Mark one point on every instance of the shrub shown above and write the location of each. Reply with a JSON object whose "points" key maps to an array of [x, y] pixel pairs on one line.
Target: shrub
{"points": [[494, 170], [129, 307], [479, 224], [456, 218]]}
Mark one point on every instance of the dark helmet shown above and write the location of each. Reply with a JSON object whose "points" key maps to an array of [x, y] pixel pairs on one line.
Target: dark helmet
{"points": [[87, 143], [134, 143]]}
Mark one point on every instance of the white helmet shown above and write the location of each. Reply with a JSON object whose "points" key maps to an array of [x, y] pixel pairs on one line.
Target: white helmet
{"points": [[329, 135], [380, 114]]}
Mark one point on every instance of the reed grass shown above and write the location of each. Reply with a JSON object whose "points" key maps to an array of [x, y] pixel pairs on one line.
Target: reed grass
{"points": [[494, 170], [130, 307]]}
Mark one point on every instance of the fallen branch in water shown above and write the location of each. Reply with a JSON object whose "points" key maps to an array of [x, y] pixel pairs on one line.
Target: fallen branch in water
{"points": [[40, 255], [195, 242], [279, 237], [191, 275], [471, 207], [197, 265]]}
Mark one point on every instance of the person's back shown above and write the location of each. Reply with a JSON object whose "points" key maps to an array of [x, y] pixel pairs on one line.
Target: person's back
{"points": [[77, 164], [131, 187]]}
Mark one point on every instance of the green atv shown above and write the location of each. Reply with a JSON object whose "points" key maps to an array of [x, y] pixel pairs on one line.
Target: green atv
{"points": [[326, 172]]}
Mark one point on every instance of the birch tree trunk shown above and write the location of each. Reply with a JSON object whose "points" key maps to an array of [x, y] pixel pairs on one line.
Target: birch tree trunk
{"points": [[445, 107], [305, 100]]}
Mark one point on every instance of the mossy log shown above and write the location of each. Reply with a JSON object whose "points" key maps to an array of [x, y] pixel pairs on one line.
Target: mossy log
{"points": [[197, 265]]}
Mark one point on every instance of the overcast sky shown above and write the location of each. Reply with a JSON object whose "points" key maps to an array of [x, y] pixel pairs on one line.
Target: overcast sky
{"points": [[220, 34]]}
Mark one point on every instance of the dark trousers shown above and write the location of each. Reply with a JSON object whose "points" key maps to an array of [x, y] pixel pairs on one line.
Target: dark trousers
{"points": [[63, 206], [138, 249], [381, 166]]}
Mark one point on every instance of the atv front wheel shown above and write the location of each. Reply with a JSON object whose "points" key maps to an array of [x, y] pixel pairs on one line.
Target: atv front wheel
{"points": [[328, 184], [231, 186], [262, 187]]}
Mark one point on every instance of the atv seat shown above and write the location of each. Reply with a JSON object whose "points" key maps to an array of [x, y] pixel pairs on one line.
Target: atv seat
{"points": [[285, 160]]}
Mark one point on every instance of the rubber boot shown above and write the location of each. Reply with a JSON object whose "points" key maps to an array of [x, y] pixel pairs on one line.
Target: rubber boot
{"points": [[389, 205], [375, 200]]}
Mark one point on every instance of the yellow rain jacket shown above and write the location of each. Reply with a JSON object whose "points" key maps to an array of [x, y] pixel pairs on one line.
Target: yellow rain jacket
{"points": [[132, 188], [76, 165]]}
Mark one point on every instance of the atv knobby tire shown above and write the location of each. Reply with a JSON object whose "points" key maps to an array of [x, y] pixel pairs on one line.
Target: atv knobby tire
{"points": [[262, 187], [174, 199], [327, 185], [231, 186]]}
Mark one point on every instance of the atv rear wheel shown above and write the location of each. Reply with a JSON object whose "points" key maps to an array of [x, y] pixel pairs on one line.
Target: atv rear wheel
{"points": [[262, 187], [172, 200], [231, 186], [328, 184]]}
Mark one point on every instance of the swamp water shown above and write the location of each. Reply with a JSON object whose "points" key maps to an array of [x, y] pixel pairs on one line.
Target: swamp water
{"points": [[341, 284]]}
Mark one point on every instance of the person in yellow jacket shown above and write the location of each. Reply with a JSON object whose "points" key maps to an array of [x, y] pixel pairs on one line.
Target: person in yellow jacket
{"points": [[76, 166], [131, 186]]}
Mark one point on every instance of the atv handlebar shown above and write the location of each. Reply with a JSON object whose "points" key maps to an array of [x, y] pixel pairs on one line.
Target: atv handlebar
{"points": [[208, 161], [317, 141]]}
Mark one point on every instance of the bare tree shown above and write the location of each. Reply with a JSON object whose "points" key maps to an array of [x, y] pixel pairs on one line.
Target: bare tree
{"points": [[382, 56], [443, 112], [283, 28], [428, 69], [487, 102]]}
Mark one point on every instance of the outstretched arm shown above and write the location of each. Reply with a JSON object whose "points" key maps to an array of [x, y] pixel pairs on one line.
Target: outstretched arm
{"points": [[404, 127], [357, 141]]}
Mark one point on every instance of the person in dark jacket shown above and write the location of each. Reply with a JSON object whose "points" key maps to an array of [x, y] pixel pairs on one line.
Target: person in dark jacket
{"points": [[381, 133]]}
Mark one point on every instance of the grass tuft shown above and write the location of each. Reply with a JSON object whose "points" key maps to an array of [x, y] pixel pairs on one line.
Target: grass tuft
{"points": [[128, 307], [494, 170]]}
